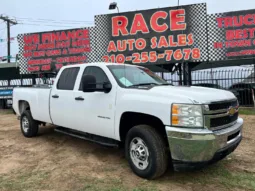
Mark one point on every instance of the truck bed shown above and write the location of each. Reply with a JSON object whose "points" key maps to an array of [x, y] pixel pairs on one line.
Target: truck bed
{"points": [[42, 86], [38, 98]]}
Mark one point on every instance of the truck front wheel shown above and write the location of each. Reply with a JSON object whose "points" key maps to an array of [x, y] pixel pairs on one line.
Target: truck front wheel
{"points": [[29, 127], [146, 152]]}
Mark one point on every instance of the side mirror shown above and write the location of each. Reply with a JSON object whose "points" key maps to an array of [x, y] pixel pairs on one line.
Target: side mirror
{"points": [[88, 83], [107, 86]]}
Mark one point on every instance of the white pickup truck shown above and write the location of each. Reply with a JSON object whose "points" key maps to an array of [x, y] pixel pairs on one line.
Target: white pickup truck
{"points": [[159, 124]]}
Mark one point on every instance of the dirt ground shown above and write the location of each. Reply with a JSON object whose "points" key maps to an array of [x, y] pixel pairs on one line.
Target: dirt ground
{"points": [[53, 161]]}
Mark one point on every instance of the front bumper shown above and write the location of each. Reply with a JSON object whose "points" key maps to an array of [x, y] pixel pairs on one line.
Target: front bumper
{"points": [[191, 148]]}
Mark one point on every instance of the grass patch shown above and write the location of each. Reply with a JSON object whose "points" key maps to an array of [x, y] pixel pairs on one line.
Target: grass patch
{"points": [[247, 111], [95, 188], [113, 184], [6, 111], [234, 179], [218, 174], [24, 181]]}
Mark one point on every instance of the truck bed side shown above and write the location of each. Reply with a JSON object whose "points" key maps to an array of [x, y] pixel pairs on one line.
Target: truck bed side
{"points": [[38, 100]]}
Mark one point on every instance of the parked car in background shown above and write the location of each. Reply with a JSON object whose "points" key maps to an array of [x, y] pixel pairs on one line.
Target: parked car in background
{"points": [[208, 85], [244, 92]]}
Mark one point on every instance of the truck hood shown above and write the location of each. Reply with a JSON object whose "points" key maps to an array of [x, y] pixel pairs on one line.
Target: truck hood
{"points": [[197, 95]]}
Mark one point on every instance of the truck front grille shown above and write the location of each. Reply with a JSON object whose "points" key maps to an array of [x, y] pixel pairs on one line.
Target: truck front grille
{"points": [[217, 122], [222, 105], [217, 115]]}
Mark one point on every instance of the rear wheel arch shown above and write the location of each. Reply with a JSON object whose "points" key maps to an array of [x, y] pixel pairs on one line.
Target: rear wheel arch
{"points": [[23, 106]]}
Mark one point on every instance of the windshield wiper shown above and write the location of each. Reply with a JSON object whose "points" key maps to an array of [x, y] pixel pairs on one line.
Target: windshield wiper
{"points": [[166, 84], [146, 84], [142, 84]]}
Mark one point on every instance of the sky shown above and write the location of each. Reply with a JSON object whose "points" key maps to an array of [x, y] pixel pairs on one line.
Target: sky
{"points": [[47, 15]]}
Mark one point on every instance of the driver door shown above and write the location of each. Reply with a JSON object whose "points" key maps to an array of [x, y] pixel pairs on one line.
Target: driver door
{"points": [[95, 114]]}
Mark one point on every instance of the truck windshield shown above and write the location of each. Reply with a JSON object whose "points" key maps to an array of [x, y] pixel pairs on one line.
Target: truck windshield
{"points": [[130, 76]]}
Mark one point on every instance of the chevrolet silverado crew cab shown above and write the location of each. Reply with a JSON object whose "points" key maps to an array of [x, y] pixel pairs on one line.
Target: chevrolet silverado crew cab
{"points": [[158, 124]]}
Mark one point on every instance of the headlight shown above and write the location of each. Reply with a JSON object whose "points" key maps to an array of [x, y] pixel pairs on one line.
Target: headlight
{"points": [[184, 115]]}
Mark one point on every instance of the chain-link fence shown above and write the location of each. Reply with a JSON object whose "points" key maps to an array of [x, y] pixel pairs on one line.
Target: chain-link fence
{"points": [[240, 81]]}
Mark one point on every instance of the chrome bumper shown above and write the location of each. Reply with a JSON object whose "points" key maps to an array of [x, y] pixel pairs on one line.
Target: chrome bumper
{"points": [[201, 145]]}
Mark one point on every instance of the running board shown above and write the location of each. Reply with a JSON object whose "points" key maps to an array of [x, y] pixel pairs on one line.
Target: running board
{"points": [[88, 137]]}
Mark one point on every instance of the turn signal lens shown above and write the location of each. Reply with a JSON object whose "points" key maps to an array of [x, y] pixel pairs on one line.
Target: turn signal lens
{"points": [[175, 120], [175, 109]]}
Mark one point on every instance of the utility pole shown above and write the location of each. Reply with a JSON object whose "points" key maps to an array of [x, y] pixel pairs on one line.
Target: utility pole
{"points": [[8, 22]]}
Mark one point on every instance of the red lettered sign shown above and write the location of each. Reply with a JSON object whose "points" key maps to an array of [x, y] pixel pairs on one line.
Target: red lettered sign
{"points": [[157, 36], [232, 35], [49, 51]]}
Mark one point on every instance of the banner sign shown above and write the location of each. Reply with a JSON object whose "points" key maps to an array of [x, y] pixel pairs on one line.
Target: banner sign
{"points": [[49, 51], [156, 36], [231, 35], [5, 93]]}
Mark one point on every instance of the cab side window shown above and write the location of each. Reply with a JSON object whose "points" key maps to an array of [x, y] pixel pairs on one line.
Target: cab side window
{"points": [[68, 78], [100, 75]]}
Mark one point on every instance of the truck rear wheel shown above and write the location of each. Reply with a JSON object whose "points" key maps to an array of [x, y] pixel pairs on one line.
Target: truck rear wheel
{"points": [[146, 152], [29, 127]]}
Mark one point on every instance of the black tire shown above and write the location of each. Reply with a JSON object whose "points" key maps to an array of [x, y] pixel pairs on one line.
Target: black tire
{"points": [[158, 153], [32, 127]]}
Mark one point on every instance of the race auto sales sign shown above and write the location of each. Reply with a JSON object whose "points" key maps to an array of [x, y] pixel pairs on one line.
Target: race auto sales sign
{"points": [[231, 35], [156, 36]]}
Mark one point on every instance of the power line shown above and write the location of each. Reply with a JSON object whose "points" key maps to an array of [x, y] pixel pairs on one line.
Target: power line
{"points": [[52, 20], [75, 21], [10, 21], [46, 25], [57, 22]]}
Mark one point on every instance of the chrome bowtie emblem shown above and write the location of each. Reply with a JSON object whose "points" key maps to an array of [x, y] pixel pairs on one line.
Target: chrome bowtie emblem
{"points": [[231, 110]]}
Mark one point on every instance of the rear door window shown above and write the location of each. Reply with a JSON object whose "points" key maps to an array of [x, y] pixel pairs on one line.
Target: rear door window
{"points": [[68, 78]]}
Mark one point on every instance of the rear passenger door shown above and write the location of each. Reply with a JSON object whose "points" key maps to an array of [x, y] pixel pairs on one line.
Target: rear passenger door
{"points": [[62, 107]]}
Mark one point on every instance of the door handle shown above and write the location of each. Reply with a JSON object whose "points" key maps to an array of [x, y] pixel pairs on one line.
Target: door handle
{"points": [[55, 96], [79, 98]]}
